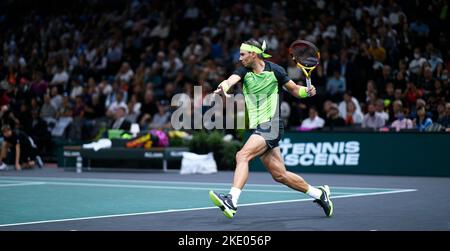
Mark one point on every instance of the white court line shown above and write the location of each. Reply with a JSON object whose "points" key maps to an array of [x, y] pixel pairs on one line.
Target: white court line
{"points": [[22, 184], [199, 208], [20, 178], [150, 187], [153, 187]]}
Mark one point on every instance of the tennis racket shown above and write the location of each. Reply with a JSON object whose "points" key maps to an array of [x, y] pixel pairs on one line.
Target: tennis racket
{"points": [[306, 56]]}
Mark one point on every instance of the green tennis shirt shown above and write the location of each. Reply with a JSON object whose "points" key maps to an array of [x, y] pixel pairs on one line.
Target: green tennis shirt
{"points": [[262, 91]]}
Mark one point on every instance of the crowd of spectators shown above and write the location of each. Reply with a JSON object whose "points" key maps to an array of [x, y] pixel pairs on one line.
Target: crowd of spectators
{"points": [[69, 71]]}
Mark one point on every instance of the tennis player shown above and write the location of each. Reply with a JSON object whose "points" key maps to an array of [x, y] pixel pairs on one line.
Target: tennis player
{"points": [[262, 83]]}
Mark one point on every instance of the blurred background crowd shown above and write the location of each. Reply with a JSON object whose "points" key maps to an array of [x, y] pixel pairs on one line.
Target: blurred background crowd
{"points": [[69, 69]]}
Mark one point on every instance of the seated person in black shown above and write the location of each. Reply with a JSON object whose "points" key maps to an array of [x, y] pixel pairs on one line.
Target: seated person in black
{"points": [[23, 146]]}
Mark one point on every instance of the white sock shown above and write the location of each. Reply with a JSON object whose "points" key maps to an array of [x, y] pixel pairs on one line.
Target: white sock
{"points": [[235, 193], [314, 192]]}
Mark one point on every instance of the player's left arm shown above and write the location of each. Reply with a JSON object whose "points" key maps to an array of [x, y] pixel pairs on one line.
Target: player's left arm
{"points": [[299, 91], [290, 86]]}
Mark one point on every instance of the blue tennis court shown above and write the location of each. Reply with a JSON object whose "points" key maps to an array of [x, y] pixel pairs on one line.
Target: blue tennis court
{"points": [[41, 202]]}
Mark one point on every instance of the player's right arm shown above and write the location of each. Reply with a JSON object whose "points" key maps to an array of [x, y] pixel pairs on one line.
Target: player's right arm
{"points": [[225, 85]]}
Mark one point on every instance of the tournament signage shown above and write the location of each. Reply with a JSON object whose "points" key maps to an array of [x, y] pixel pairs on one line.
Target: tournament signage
{"points": [[320, 153], [387, 153]]}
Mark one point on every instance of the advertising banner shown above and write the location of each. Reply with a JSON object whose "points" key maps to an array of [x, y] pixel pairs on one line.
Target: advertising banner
{"points": [[415, 154]]}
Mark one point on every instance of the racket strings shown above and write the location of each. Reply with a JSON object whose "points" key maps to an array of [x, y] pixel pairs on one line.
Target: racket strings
{"points": [[309, 61], [306, 56]]}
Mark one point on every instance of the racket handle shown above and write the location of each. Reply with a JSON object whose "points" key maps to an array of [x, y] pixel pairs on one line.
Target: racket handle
{"points": [[308, 82]]}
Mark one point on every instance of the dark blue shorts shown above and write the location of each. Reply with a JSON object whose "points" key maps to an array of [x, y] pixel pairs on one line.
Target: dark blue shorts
{"points": [[271, 131]]}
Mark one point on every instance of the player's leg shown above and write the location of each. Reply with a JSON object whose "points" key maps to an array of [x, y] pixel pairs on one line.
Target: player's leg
{"points": [[254, 146], [274, 163]]}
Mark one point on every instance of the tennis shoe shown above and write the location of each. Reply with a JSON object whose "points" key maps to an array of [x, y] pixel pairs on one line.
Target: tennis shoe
{"points": [[325, 201], [224, 202]]}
